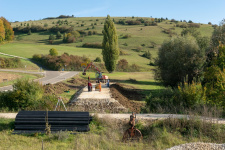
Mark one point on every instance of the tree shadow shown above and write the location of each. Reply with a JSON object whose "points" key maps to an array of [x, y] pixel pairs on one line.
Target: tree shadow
{"points": [[133, 81], [6, 124]]}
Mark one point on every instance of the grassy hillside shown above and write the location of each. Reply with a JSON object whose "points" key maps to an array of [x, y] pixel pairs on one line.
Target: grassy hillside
{"points": [[142, 38]]}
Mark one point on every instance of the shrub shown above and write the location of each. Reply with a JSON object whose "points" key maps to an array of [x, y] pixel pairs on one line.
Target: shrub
{"points": [[61, 29], [90, 33], [45, 25], [37, 57], [194, 25], [126, 36], [131, 22], [98, 59], [122, 65], [10, 62], [147, 55], [51, 38], [92, 45], [125, 44], [58, 35], [94, 32], [53, 52], [134, 68], [29, 32], [121, 22], [24, 96], [123, 52], [138, 49], [61, 135], [57, 62]]}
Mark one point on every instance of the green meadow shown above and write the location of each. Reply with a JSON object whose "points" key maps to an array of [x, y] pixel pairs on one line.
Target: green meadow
{"points": [[142, 38]]}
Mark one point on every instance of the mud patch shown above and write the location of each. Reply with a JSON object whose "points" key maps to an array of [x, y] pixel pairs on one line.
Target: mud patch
{"points": [[129, 98]]}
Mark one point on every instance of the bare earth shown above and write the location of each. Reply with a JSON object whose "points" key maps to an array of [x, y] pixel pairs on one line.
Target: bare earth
{"points": [[8, 76]]}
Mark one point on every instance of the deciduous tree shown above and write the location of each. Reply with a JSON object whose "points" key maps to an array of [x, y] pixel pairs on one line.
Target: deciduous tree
{"points": [[9, 33], [2, 31], [178, 58]]}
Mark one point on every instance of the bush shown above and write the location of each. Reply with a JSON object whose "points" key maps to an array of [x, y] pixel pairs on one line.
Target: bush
{"points": [[147, 55], [58, 35], [57, 62], [25, 95], [126, 36], [53, 52], [10, 62], [194, 25], [51, 38], [121, 22], [123, 52], [98, 59], [90, 33], [29, 32], [122, 65], [135, 68], [132, 22], [92, 45]]}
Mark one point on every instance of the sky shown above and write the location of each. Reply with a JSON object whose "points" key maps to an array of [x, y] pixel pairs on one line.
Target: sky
{"points": [[199, 11]]}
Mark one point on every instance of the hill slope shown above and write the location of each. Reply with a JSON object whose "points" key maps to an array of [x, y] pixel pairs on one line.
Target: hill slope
{"points": [[141, 38]]}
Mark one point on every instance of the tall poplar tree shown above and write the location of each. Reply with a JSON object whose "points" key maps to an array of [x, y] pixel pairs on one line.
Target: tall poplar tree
{"points": [[110, 49]]}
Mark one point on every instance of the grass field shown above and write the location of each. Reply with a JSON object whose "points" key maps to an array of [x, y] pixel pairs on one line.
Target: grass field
{"points": [[143, 81], [107, 134], [142, 38]]}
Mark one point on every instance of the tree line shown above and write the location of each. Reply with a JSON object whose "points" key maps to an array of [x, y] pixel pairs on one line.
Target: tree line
{"points": [[191, 66]]}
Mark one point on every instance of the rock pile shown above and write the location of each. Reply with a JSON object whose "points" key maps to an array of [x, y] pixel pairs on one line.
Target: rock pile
{"points": [[99, 105], [199, 146]]}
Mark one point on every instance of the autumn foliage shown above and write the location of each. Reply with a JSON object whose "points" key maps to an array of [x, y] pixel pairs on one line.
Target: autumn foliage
{"points": [[6, 31]]}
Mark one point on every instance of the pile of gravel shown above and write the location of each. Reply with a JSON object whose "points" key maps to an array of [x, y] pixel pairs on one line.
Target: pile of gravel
{"points": [[199, 146], [99, 105]]}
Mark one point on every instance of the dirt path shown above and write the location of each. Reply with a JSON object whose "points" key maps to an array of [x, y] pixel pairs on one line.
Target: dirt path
{"points": [[127, 116]]}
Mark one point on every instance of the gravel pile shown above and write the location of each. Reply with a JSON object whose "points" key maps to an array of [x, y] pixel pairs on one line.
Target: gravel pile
{"points": [[199, 146], [99, 105]]}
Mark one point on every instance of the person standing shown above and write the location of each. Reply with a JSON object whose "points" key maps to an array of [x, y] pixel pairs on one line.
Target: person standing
{"points": [[89, 86]]}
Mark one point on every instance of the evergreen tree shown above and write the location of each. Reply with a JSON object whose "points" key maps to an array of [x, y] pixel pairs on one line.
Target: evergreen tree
{"points": [[2, 31], [110, 47]]}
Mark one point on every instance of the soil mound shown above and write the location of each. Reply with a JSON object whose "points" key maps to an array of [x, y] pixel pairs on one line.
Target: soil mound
{"points": [[129, 98], [78, 82]]}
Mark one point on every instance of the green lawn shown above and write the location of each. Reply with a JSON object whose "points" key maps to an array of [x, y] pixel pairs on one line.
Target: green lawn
{"points": [[139, 80]]}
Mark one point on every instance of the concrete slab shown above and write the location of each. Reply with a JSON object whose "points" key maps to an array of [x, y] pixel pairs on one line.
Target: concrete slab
{"points": [[104, 94]]}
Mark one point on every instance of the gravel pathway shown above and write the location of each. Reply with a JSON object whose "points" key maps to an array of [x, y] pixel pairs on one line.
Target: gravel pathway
{"points": [[199, 146]]}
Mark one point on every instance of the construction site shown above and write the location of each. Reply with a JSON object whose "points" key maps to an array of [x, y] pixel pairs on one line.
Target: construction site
{"points": [[92, 96]]}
